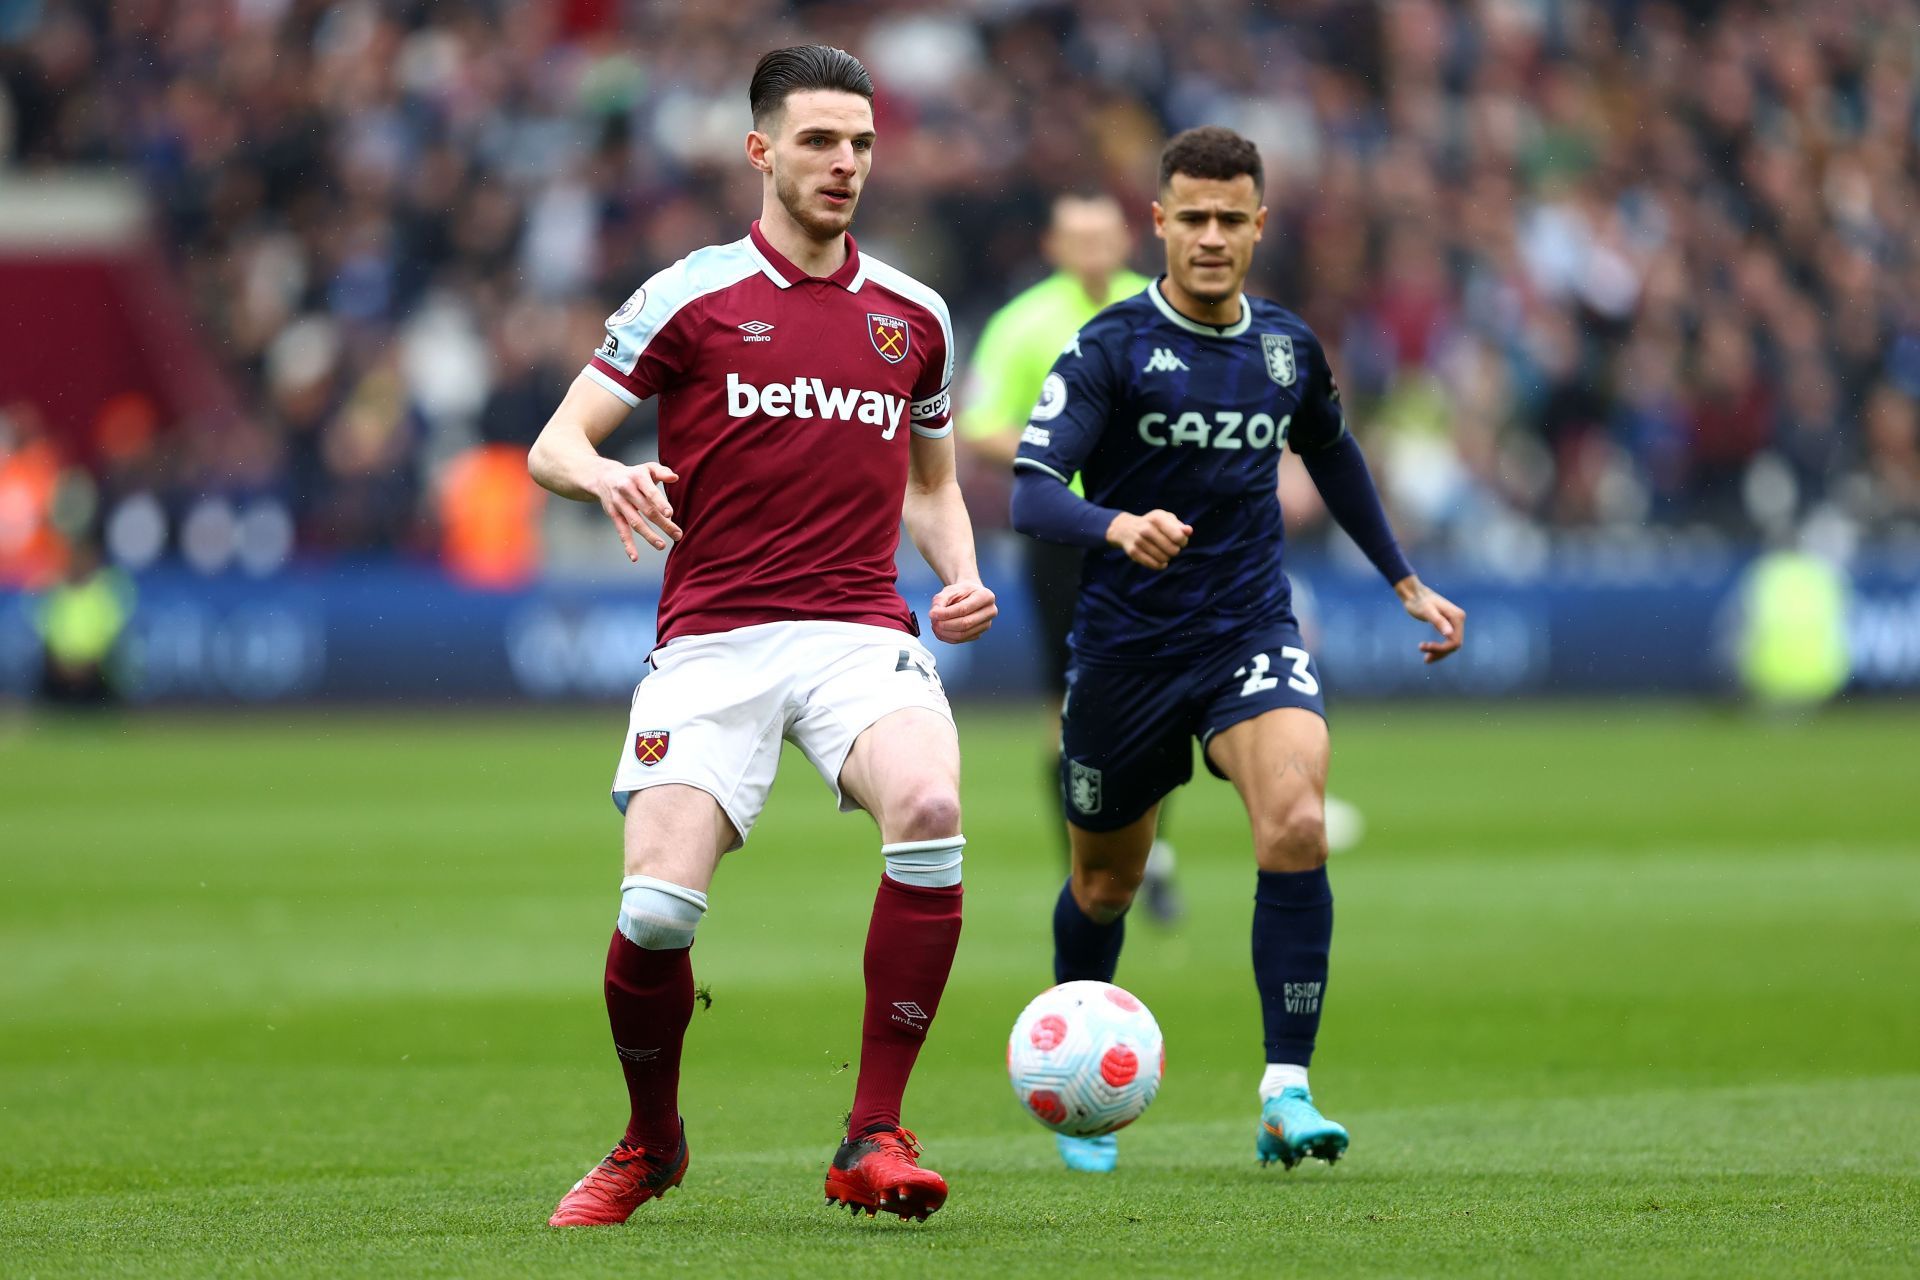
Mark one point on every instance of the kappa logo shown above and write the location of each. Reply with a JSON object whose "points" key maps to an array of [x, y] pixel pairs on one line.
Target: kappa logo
{"points": [[890, 336], [1278, 349], [650, 746], [1164, 361], [1083, 787]]}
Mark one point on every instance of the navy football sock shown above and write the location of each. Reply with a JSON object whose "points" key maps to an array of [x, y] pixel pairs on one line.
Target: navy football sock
{"points": [[1292, 931], [1083, 948]]}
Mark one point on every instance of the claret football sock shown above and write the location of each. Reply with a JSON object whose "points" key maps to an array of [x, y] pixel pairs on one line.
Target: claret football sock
{"points": [[910, 946], [1084, 949], [649, 1001], [1292, 933]]}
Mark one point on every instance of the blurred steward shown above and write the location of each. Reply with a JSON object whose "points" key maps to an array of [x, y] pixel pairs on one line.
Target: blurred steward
{"points": [[1087, 244], [32, 552], [490, 518], [81, 620]]}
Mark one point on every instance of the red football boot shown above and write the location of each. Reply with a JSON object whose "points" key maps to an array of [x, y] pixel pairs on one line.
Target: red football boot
{"points": [[618, 1185], [879, 1171]]}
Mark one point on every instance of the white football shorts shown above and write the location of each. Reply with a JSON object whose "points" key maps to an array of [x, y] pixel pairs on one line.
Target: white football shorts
{"points": [[713, 711]]}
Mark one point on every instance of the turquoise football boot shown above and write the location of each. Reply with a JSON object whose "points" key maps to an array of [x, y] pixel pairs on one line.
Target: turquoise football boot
{"points": [[1292, 1129], [1089, 1155]]}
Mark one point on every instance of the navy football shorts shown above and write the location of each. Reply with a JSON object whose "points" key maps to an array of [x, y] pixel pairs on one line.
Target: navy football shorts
{"points": [[1126, 732]]}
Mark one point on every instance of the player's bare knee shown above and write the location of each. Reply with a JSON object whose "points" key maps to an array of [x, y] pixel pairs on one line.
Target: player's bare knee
{"points": [[1104, 896], [926, 811], [1292, 839]]}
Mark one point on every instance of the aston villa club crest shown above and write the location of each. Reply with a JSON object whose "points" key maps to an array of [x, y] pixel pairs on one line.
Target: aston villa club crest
{"points": [[889, 334], [1083, 787], [650, 746], [1278, 348]]}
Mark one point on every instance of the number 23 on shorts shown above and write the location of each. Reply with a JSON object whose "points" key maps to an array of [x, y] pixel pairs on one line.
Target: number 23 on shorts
{"points": [[1257, 678]]}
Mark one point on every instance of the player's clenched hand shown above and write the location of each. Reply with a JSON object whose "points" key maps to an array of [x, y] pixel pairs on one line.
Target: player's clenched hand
{"points": [[962, 611], [1153, 539], [635, 502], [1442, 614]]}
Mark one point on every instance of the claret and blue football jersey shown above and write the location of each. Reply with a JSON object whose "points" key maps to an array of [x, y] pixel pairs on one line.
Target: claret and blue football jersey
{"points": [[1156, 410]]}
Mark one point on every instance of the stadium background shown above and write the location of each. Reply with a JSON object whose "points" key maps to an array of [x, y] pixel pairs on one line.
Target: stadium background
{"points": [[1625, 302]]}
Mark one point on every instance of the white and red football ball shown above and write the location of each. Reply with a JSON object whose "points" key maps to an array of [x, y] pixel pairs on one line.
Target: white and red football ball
{"points": [[1085, 1058]]}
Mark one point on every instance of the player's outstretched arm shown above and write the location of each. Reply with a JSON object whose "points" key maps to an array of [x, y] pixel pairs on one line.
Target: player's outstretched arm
{"points": [[1043, 507], [936, 518], [566, 460], [1339, 472], [1442, 614]]}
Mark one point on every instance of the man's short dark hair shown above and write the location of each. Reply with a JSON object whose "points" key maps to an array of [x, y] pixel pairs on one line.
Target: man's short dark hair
{"points": [[803, 67], [1211, 152]]}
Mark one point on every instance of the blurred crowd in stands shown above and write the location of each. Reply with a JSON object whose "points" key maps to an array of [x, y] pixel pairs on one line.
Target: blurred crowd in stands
{"points": [[1635, 270]]}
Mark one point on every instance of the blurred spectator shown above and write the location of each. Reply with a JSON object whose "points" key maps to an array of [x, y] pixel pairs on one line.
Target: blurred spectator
{"points": [[1893, 453], [1581, 265]]}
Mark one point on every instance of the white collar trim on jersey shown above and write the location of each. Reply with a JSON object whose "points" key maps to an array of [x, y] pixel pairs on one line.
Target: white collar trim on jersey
{"points": [[772, 272], [767, 269], [1233, 330], [779, 277]]}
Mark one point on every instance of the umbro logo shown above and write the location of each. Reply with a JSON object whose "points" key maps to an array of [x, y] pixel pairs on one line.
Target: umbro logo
{"points": [[1164, 361], [911, 1009], [756, 331], [636, 1055]]}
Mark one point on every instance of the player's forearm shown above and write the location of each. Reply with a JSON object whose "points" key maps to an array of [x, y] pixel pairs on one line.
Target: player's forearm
{"points": [[564, 461], [566, 458], [1340, 473], [1046, 509], [937, 522]]}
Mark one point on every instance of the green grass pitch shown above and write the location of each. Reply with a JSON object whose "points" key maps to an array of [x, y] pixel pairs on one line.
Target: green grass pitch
{"points": [[1616, 991]]}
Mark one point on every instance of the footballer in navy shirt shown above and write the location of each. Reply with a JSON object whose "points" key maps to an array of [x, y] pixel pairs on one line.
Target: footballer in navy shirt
{"points": [[1173, 407]]}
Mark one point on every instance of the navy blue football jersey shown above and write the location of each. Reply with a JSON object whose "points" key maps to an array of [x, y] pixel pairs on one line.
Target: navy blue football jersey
{"points": [[1153, 409]]}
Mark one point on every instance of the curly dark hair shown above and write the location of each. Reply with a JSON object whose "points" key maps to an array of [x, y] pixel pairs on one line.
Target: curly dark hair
{"points": [[802, 67], [1211, 152]]}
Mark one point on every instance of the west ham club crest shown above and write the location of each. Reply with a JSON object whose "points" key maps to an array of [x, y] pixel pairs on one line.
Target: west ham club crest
{"points": [[650, 746], [889, 334], [1278, 348]]}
